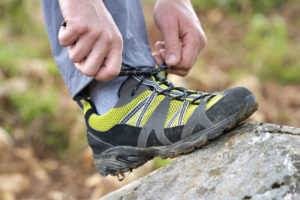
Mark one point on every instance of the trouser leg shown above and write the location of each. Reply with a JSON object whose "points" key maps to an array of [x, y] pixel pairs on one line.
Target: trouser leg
{"points": [[128, 16]]}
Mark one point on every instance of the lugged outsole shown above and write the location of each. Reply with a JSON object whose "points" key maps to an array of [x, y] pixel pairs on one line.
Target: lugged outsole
{"points": [[120, 159]]}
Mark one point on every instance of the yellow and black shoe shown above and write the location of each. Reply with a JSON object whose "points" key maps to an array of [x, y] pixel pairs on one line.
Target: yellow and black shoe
{"points": [[154, 118]]}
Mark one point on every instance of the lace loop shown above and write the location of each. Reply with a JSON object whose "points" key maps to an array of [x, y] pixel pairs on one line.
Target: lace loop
{"points": [[142, 70], [152, 71]]}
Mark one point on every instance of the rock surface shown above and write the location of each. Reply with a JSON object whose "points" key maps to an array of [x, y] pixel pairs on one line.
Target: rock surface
{"points": [[254, 161]]}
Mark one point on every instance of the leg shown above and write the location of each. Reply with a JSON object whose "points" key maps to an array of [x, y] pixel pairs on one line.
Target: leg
{"points": [[151, 117]]}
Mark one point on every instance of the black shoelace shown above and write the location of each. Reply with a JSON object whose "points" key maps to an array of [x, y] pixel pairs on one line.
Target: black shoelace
{"points": [[148, 71]]}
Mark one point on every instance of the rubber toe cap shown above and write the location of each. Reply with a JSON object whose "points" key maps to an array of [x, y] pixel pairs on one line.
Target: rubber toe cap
{"points": [[235, 101]]}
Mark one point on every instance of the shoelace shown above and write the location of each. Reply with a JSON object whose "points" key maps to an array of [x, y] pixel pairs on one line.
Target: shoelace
{"points": [[148, 71]]}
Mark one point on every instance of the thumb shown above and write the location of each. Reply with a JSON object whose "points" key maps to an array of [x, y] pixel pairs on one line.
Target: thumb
{"points": [[172, 47]]}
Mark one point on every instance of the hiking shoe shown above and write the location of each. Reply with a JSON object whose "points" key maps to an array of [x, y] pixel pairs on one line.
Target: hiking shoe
{"points": [[154, 118]]}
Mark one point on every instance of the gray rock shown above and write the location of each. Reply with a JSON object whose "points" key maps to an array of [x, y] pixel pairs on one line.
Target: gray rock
{"points": [[254, 161]]}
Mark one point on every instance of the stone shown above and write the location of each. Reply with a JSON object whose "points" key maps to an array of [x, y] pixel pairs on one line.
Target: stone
{"points": [[6, 140], [15, 182], [253, 161]]}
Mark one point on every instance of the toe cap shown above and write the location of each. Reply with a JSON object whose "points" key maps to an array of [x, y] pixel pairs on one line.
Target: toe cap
{"points": [[235, 101]]}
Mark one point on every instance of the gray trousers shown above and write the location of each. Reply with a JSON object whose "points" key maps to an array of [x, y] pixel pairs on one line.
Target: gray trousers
{"points": [[128, 16]]}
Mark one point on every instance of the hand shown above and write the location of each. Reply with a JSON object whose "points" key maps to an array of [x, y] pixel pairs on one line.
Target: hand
{"points": [[93, 39], [182, 34]]}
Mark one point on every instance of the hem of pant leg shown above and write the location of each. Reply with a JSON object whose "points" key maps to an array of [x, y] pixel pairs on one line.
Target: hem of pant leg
{"points": [[76, 91]]}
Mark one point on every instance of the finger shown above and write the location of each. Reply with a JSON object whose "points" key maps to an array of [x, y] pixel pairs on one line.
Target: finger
{"points": [[163, 54], [159, 45], [83, 46], [67, 37], [111, 66], [158, 58], [191, 47], [91, 65], [179, 72], [172, 46]]}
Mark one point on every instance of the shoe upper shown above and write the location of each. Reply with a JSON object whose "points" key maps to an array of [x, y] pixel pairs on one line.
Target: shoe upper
{"points": [[152, 112]]}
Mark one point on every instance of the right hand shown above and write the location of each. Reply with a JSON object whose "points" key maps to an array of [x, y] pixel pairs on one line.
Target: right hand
{"points": [[94, 42]]}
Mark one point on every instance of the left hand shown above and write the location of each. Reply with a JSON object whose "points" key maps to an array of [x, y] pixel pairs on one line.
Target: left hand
{"points": [[182, 34]]}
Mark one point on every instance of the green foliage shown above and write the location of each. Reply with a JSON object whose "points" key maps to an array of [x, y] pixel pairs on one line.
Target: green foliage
{"points": [[34, 105], [15, 14], [269, 50], [40, 108], [52, 67], [236, 6], [8, 60], [23, 40], [55, 138]]}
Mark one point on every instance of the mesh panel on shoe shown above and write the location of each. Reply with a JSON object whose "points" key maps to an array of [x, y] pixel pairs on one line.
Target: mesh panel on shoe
{"points": [[189, 111], [115, 115], [152, 108], [133, 120], [174, 107]]}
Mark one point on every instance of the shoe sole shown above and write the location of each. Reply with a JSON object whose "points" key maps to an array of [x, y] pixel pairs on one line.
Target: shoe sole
{"points": [[120, 159]]}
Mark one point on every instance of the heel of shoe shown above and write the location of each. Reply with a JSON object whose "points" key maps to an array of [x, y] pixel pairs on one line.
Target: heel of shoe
{"points": [[118, 160]]}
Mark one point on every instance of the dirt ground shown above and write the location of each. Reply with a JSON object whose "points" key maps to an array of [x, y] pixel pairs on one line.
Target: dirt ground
{"points": [[27, 174]]}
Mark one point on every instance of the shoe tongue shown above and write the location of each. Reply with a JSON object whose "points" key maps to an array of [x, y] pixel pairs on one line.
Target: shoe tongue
{"points": [[126, 90]]}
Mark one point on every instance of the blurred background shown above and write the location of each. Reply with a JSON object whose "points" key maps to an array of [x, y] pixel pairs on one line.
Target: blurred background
{"points": [[43, 150]]}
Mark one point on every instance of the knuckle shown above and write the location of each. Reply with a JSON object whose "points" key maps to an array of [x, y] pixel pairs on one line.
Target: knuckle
{"points": [[94, 34], [107, 38], [118, 40], [173, 49], [63, 41], [79, 28], [86, 71], [99, 57], [73, 57], [173, 46], [203, 40], [113, 72]]}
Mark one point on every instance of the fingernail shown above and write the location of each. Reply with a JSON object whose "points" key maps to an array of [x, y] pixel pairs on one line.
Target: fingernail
{"points": [[172, 59]]}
